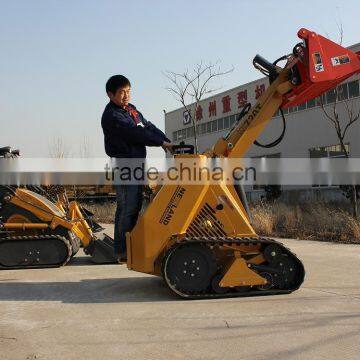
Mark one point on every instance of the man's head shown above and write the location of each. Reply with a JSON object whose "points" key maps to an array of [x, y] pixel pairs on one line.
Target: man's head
{"points": [[118, 90]]}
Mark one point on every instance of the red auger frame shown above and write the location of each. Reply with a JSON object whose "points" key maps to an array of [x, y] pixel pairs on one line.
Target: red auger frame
{"points": [[318, 65]]}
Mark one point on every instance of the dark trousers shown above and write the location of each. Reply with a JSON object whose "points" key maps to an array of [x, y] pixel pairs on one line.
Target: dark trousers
{"points": [[129, 201]]}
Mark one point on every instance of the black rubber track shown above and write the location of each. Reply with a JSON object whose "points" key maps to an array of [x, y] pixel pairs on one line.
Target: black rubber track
{"points": [[218, 242], [34, 252]]}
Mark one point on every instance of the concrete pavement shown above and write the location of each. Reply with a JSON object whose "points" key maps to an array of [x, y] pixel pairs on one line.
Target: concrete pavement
{"points": [[83, 311]]}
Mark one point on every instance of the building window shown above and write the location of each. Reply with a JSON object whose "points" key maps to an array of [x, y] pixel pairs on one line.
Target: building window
{"points": [[226, 122], [330, 96], [330, 151], [220, 124], [188, 132], [191, 131], [343, 92], [183, 133], [203, 128], [214, 126], [175, 136], [311, 103], [302, 106], [353, 89], [268, 156], [208, 127], [179, 135], [232, 120], [320, 100]]}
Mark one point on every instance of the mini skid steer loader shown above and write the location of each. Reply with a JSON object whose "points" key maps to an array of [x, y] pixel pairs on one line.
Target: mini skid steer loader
{"points": [[40, 228], [199, 238]]}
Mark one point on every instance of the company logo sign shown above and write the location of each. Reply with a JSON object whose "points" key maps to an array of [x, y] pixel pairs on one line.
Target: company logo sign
{"points": [[186, 118]]}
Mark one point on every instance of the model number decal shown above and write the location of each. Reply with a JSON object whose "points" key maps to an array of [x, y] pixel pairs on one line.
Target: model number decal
{"points": [[172, 205], [254, 112], [246, 123], [318, 63], [340, 60]]}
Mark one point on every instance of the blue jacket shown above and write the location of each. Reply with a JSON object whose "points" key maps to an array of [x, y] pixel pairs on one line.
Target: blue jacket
{"points": [[123, 138]]}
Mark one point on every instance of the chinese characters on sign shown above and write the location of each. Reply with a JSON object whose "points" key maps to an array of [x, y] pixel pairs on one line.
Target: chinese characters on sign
{"points": [[212, 108], [260, 89], [226, 103], [198, 113], [242, 98]]}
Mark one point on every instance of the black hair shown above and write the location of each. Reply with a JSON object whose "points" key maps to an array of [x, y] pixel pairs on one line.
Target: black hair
{"points": [[116, 82]]}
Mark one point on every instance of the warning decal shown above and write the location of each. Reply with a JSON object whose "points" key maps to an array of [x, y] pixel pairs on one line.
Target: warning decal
{"points": [[340, 60], [318, 62]]}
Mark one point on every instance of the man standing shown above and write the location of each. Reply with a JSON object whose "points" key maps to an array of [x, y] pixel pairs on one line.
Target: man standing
{"points": [[126, 135]]}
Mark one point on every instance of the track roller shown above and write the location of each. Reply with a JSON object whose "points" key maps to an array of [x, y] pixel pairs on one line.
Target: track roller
{"points": [[190, 268]]}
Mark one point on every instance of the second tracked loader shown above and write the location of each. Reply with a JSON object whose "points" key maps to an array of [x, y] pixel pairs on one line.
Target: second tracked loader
{"points": [[39, 229]]}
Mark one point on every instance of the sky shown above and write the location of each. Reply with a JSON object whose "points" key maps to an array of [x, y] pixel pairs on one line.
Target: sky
{"points": [[57, 55]]}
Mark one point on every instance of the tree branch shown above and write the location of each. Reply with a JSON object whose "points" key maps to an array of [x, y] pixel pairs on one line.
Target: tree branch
{"points": [[193, 86]]}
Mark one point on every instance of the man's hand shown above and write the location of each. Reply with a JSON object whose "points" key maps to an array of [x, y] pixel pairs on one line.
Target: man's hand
{"points": [[168, 147]]}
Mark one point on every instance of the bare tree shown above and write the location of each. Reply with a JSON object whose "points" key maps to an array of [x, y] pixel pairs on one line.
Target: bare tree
{"points": [[58, 148], [84, 148], [190, 87], [341, 124]]}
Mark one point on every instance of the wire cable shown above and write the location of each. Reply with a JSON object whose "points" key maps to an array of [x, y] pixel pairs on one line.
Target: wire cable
{"points": [[274, 143]]}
